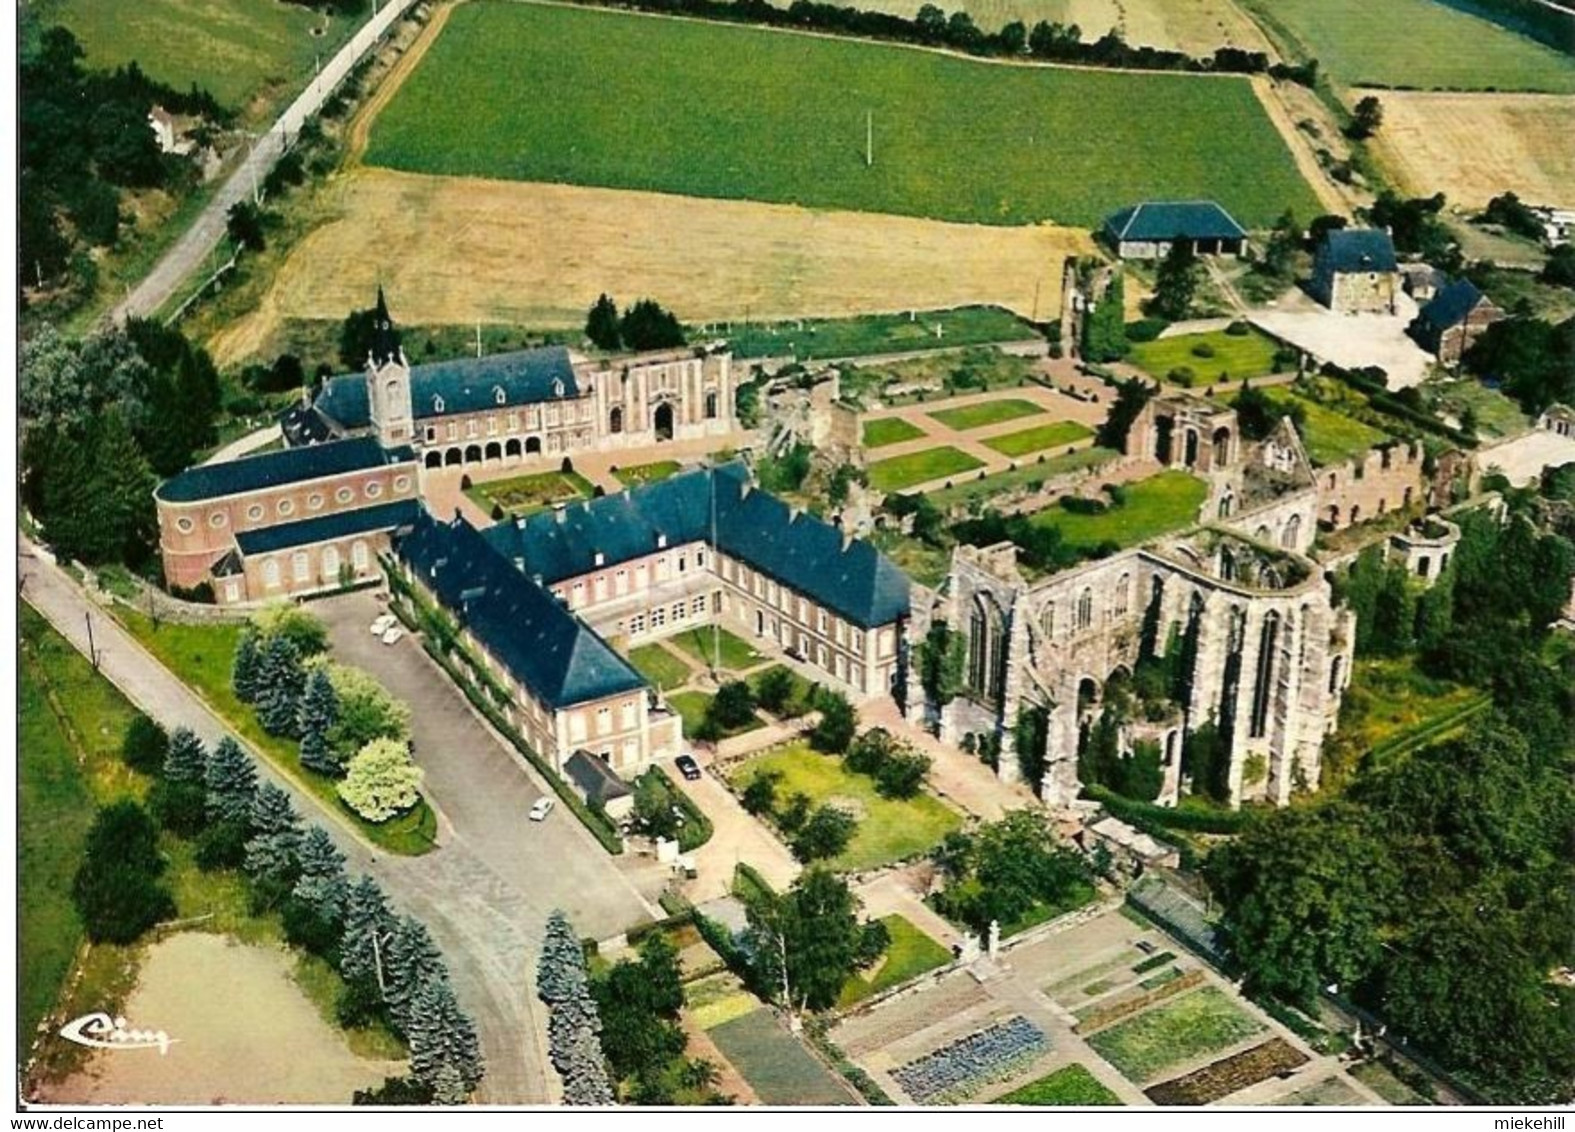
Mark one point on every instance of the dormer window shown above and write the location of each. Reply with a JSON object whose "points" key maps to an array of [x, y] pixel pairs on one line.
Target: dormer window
{"points": [[437, 404], [498, 396], [599, 559], [557, 387], [661, 542]]}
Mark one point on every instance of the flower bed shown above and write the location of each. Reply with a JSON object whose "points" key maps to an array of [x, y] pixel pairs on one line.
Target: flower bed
{"points": [[1102, 1016], [1229, 1074], [957, 1071]]}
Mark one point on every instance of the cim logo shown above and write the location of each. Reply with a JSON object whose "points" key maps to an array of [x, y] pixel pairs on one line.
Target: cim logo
{"points": [[100, 1031]]}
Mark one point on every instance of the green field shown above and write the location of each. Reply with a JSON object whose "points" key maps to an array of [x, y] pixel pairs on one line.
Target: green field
{"points": [[525, 495], [910, 954], [1056, 434], [898, 472], [1183, 1028], [878, 333], [890, 430], [777, 1067], [1414, 43], [715, 646], [1331, 437], [1069, 1085], [522, 92], [660, 667], [966, 417], [1234, 356], [888, 830], [647, 473], [1155, 506], [237, 49]]}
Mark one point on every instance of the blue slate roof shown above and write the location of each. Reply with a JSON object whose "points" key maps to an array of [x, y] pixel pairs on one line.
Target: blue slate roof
{"points": [[292, 465], [856, 582], [1451, 304], [342, 524], [464, 385], [1359, 249], [547, 648], [1170, 219]]}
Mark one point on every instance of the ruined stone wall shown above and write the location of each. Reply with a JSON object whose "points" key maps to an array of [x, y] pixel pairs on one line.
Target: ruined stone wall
{"points": [[1372, 485]]}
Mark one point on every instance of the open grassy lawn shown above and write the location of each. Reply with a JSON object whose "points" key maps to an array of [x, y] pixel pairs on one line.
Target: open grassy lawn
{"points": [[660, 666], [691, 708], [966, 417], [777, 1067], [1178, 1030], [1162, 503], [891, 430], [1496, 415], [1069, 1085], [1330, 437], [525, 495], [1234, 356], [647, 473], [237, 49], [888, 830], [879, 333], [978, 491], [1414, 43], [1391, 708], [910, 953], [1056, 434], [713, 645], [202, 656], [535, 93], [898, 472]]}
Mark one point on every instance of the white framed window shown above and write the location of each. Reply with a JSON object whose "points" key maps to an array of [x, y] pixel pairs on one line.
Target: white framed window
{"points": [[492, 426], [603, 720], [453, 430], [255, 512], [437, 404], [630, 714], [271, 573], [621, 582], [514, 422], [472, 428], [330, 561], [498, 396], [658, 617], [820, 621], [577, 726], [232, 590], [636, 624], [358, 556], [680, 611], [698, 606], [858, 641]]}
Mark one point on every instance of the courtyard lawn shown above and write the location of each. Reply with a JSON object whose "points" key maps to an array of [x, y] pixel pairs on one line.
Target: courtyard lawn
{"points": [[1414, 43], [966, 417], [777, 1067], [557, 94], [525, 495], [898, 472], [1200, 1022], [202, 657], [1234, 356], [660, 667], [1070, 1085], [911, 953], [647, 473], [1162, 503], [888, 830], [1056, 434], [714, 646], [691, 708], [890, 430], [1331, 437], [1032, 475]]}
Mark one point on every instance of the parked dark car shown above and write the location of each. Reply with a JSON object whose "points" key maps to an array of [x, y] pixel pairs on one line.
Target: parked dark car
{"points": [[687, 767]]}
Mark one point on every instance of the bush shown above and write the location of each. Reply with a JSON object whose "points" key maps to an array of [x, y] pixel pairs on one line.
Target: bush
{"points": [[180, 807], [1078, 505], [837, 725], [733, 706], [760, 796], [775, 690], [792, 816], [1202, 350], [395, 1091], [1238, 329], [116, 888], [222, 846], [1146, 329], [902, 775], [144, 746], [303, 629], [381, 781], [1183, 376]]}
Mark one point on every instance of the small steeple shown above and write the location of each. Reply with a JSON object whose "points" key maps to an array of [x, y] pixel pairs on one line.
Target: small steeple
{"points": [[385, 339]]}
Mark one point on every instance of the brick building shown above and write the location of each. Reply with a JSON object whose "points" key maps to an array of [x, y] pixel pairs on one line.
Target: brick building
{"points": [[1453, 319]]}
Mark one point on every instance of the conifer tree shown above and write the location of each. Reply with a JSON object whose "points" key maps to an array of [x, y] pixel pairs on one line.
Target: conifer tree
{"points": [[410, 960], [319, 711], [367, 924], [280, 681], [231, 779], [573, 1023], [276, 835], [560, 954], [322, 885], [187, 760], [444, 1051], [246, 673]]}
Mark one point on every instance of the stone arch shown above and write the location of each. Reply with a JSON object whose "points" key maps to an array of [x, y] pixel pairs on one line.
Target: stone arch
{"points": [[1336, 671], [1085, 610], [1291, 534], [1334, 514], [511, 448], [1123, 594], [533, 446], [1227, 502], [1047, 620], [1263, 688], [1356, 513], [494, 450], [1088, 695], [711, 406], [1262, 533], [330, 561], [1222, 443], [987, 646], [473, 454], [1190, 448], [434, 459], [615, 420], [452, 458], [662, 421]]}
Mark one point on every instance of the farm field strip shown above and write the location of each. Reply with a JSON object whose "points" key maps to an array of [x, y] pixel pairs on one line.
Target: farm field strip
{"points": [[955, 139], [1144, 1046]]}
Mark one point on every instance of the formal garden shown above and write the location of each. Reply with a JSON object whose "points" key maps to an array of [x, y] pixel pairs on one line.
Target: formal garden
{"points": [[1196, 360], [1056, 434], [1070, 1085], [1186, 1026], [641, 474], [889, 430], [898, 472], [965, 418], [525, 495]]}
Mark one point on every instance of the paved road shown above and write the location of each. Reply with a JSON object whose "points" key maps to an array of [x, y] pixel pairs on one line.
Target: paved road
{"points": [[488, 929], [203, 236]]}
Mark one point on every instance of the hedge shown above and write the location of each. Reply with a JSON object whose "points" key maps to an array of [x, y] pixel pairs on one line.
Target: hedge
{"points": [[697, 828], [1384, 401], [1139, 813], [748, 883]]}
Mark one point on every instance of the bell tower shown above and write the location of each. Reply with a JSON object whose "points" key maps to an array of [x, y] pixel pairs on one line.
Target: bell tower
{"points": [[388, 381]]}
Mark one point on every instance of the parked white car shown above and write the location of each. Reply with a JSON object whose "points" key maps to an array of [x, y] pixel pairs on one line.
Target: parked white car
{"points": [[541, 809], [383, 624], [394, 635]]}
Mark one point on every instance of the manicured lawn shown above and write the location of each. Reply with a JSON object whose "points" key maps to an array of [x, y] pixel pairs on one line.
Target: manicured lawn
{"points": [[1178, 1030], [1069, 1085], [647, 473], [888, 830], [1030, 475], [715, 646], [1056, 434], [716, 999], [536, 93], [237, 49], [911, 953], [1165, 502], [202, 657], [1496, 414], [966, 417], [525, 495], [691, 707], [899, 472], [878, 333], [890, 430], [660, 666], [1416, 43], [777, 1067], [1331, 437], [1235, 356]]}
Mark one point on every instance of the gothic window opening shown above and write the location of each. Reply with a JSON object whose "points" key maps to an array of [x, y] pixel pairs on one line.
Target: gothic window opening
{"points": [[1085, 609], [1263, 694]]}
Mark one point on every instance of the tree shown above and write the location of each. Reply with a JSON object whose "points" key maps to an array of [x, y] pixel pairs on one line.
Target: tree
{"points": [[1258, 414], [560, 955], [246, 672], [807, 941], [775, 689], [305, 629], [145, 745], [646, 326], [444, 1052], [315, 911], [276, 836], [825, 834], [187, 760], [760, 796], [231, 780], [382, 781], [638, 1002], [1013, 38], [838, 722], [116, 888], [319, 712], [930, 21], [1176, 282], [653, 808], [1131, 396], [573, 1021], [602, 324], [733, 706], [244, 225], [1104, 327], [368, 923], [1559, 270], [1005, 869], [412, 960], [280, 681], [943, 664], [1279, 254], [1366, 118], [366, 712]]}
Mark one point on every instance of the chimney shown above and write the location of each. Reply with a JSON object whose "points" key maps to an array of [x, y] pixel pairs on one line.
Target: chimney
{"points": [[458, 517]]}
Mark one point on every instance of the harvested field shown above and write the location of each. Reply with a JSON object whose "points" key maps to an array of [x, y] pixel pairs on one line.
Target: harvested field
{"points": [[1197, 27], [1229, 1074], [1472, 147], [530, 254]]}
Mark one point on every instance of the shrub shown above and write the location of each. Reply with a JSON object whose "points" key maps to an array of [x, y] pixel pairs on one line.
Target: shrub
{"points": [[1078, 505], [792, 816], [775, 690], [1202, 350], [381, 781], [733, 706], [144, 745], [760, 796], [1238, 329], [1183, 376], [903, 774], [180, 807], [825, 834], [303, 629], [222, 845], [116, 888], [837, 725], [1146, 329]]}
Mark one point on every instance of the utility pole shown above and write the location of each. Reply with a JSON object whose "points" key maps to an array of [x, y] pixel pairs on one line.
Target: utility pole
{"points": [[92, 648], [1035, 318]]}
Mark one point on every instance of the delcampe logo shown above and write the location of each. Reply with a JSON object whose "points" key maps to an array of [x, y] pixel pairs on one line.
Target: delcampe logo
{"points": [[100, 1031]]}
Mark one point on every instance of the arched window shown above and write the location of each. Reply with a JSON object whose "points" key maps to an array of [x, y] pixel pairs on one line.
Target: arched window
{"points": [[987, 650], [1292, 534], [1085, 609], [615, 420], [301, 566], [1123, 594], [1047, 619], [358, 556], [1263, 693], [271, 573], [710, 406], [330, 561]]}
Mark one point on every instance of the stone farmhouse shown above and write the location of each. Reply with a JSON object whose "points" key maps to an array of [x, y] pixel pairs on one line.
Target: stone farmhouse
{"points": [[1355, 272], [520, 407], [1149, 230], [1453, 319]]}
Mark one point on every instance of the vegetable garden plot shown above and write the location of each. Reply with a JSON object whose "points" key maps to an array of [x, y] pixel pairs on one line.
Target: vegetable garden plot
{"points": [[1229, 1074], [957, 1071]]}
